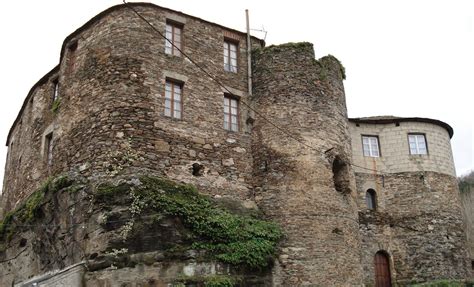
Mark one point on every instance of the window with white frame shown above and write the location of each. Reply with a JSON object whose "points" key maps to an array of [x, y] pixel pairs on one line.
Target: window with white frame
{"points": [[230, 56], [173, 39], [173, 99], [231, 113], [417, 143], [371, 146]]}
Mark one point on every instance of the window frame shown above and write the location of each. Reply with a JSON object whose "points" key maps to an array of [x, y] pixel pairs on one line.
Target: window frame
{"points": [[372, 200], [174, 26], [416, 142], [227, 45], [228, 113], [370, 146], [174, 83]]}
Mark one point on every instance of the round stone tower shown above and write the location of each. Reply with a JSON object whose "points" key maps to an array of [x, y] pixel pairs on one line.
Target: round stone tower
{"points": [[303, 176]]}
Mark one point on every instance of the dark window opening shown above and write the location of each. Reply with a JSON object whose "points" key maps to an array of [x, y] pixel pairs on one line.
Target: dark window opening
{"points": [[340, 172], [472, 264], [55, 90], [23, 242], [198, 169], [371, 199], [48, 145], [73, 46]]}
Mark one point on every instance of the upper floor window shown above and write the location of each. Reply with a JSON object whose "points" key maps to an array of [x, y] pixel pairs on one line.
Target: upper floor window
{"points": [[231, 113], [173, 99], [230, 56], [55, 89], [417, 143], [173, 39], [371, 199], [371, 146]]}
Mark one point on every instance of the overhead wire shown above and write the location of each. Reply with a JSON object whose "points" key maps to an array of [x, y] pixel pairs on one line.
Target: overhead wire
{"points": [[212, 77]]}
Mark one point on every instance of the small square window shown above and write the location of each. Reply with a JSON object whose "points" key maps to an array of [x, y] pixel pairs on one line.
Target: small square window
{"points": [[173, 39], [370, 146], [173, 99], [230, 56], [417, 144], [231, 113]]}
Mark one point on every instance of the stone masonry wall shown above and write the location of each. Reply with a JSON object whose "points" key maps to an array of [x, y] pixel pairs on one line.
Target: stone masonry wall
{"points": [[418, 222], [111, 115], [81, 236], [467, 200], [295, 184], [395, 153]]}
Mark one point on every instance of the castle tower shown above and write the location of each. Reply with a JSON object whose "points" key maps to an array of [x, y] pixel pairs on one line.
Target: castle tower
{"points": [[414, 216], [306, 184]]}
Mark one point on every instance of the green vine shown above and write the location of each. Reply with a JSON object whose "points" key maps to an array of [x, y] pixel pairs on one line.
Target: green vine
{"points": [[230, 238], [55, 106], [207, 281], [28, 212]]}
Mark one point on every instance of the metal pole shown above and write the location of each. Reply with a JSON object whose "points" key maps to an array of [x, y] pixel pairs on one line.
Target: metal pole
{"points": [[249, 55]]}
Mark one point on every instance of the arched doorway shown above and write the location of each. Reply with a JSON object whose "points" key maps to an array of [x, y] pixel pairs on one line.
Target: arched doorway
{"points": [[382, 269]]}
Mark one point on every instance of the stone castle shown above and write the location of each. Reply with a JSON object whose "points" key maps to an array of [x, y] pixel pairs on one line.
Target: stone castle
{"points": [[363, 201]]}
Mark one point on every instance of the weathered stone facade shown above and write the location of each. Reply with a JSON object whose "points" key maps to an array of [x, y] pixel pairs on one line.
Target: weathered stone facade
{"points": [[109, 123], [295, 183], [418, 217], [467, 200]]}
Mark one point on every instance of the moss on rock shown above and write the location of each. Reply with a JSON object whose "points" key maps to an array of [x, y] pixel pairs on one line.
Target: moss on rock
{"points": [[29, 211], [228, 237]]}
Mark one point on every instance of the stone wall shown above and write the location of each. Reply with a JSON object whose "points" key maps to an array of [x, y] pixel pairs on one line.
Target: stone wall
{"points": [[295, 181], [467, 200], [111, 115], [79, 233], [418, 222], [109, 123], [395, 153]]}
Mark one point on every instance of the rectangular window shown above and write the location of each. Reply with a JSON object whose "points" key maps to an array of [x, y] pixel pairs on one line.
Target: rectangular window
{"points": [[417, 143], [371, 146], [173, 39], [55, 90], [173, 99], [48, 148], [230, 56], [231, 114]]}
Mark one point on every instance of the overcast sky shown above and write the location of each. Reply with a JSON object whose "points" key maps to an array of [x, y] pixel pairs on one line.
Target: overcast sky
{"points": [[405, 58]]}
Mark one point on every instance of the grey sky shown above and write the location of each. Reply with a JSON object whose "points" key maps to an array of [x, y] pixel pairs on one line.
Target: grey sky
{"points": [[404, 58]]}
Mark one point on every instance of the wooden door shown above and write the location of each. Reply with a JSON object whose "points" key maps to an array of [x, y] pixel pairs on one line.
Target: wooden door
{"points": [[382, 270]]}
